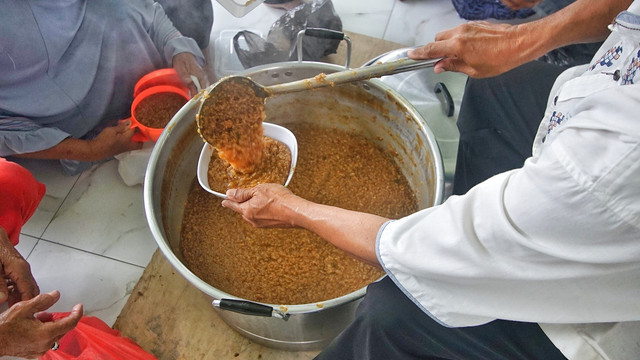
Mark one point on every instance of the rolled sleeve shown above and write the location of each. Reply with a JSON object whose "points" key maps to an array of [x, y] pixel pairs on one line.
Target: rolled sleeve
{"points": [[182, 44], [23, 136], [525, 245]]}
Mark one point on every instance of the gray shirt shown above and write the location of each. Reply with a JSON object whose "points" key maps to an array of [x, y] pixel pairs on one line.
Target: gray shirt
{"points": [[68, 67]]}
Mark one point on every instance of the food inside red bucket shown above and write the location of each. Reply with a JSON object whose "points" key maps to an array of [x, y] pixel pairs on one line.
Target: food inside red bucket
{"points": [[156, 111], [153, 108], [157, 98]]}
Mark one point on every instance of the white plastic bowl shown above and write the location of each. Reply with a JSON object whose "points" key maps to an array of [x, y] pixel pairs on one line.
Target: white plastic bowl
{"points": [[273, 131]]}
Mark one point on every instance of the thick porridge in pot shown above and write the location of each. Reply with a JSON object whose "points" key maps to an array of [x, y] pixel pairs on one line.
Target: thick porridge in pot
{"points": [[295, 266]]}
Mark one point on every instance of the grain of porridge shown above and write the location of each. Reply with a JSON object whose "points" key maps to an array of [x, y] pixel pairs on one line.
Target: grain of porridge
{"points": [[231, 121], [274, 168], [158, 109], [295, 266]]}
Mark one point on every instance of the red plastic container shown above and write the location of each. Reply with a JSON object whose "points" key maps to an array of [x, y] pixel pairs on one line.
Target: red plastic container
{"points": [[156, 82]]}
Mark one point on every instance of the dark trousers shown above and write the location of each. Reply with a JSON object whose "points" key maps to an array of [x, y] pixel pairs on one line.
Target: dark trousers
{"points": [[497, 122], [389, 326]]}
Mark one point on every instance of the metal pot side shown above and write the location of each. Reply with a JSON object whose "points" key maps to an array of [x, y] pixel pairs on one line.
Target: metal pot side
{"points": [[368, 107]]}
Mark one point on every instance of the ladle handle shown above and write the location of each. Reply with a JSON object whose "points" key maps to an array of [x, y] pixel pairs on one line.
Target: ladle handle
{"points": [[345, 76]]}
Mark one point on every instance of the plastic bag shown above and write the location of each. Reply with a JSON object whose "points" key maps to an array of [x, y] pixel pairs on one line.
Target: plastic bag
{"points": [[280, 44], [132, 165], [93, 339]]}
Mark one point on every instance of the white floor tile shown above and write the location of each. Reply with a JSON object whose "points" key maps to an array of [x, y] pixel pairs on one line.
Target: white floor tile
{"points": [[104, 216], [259, 19], [48, 172], [415, 22], [26, 245], [102, 285], [366, 17]]}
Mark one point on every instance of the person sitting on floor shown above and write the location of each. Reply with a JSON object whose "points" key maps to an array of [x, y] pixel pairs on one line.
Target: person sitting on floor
{"points": [[68, 70], [25, 329]]}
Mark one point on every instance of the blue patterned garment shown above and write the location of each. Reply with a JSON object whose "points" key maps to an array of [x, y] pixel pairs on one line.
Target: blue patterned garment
{"points": [[485, 9]]}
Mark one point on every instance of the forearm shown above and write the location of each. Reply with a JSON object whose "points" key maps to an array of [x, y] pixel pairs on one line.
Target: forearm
{"points": [[272, 205], [70, 148], [351, 231], [582, 21]]}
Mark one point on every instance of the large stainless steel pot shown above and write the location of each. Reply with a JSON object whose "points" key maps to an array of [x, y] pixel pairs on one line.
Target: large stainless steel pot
{"points": [[369, 107]]}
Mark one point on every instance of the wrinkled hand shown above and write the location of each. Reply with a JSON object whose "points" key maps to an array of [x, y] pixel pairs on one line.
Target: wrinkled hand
{"points": [[262, 206], [113, 140], [520, 4], [17, 283], [478, 49], [186, 65], [26, 331]]}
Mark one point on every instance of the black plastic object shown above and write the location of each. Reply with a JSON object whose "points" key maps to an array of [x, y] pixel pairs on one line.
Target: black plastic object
{"points": [[280, 44], [445, 98], [246, 307]]}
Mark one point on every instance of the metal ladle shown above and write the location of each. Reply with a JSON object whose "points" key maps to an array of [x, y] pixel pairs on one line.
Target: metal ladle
{"points": [[322, 80]]}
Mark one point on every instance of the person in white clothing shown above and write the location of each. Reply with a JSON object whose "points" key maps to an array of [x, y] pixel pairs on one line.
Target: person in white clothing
{"points": [[539, 262]]}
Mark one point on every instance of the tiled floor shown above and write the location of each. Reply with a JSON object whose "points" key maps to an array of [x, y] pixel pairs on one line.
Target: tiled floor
{"points": [[89, 237]]}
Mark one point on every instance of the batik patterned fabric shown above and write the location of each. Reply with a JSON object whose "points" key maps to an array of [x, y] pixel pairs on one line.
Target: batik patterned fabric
{"points": [[627, 78], [488, 9], [617, 66], [556, 119], [607, 59]]}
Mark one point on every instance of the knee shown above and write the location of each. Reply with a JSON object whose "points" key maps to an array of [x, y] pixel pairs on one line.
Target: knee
{"points": [[384, 307]]}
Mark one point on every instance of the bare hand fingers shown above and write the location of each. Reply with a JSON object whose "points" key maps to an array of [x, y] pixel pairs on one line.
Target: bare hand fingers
{"points": [[240, 195], [123, 126], [186, 65], [4, 290], [27, 286], [39, 303], [18, 282], [61, 326]]}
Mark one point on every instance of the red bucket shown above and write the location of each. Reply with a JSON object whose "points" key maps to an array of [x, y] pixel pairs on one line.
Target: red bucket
{"points": [[157, 82]]}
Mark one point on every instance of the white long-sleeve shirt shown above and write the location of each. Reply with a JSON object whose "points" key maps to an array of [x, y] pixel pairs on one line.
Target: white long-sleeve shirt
{"points": [[556, 242]]}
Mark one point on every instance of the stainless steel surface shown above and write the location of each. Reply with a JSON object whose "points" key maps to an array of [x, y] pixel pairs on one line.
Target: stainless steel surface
{"points": [[369, 108], [320, 80], [351, 75], [419, 88]]}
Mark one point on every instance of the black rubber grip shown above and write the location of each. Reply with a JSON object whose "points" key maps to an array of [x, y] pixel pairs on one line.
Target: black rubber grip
{"points": [[246, 307], [324, 33], [445, 97]]}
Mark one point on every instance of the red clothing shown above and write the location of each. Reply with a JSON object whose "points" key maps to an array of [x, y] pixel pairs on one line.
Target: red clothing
{"points": [[20, 194]]}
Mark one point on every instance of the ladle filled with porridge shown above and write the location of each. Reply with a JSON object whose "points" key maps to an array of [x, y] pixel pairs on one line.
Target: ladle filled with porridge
{"points": [[240, 150]]}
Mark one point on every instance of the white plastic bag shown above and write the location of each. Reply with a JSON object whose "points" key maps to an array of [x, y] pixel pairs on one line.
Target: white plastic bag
{"points": [[132, 165]]}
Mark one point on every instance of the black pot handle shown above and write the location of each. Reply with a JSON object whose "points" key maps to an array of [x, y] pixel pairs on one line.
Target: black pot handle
{"points": [[445, 98], [249, 308], [324, 34]]}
